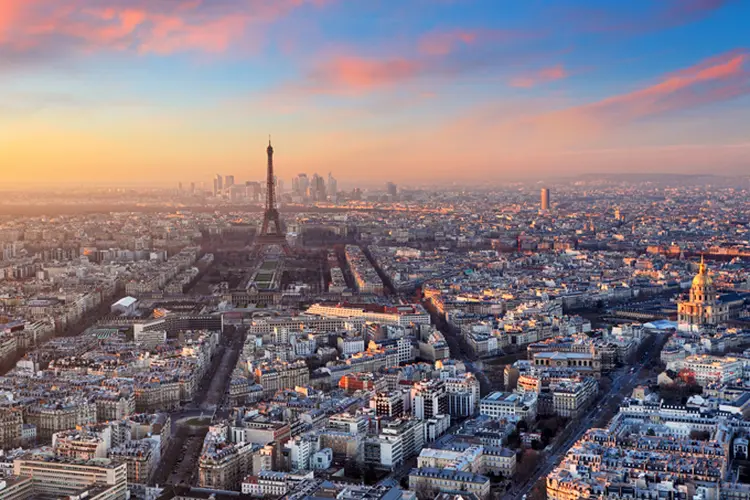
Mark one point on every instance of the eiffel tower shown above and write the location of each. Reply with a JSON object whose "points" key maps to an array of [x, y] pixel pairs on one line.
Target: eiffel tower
{"points": [[271, 232]]}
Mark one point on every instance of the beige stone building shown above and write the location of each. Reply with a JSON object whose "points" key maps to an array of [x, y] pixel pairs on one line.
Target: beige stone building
{"points": [[703, 308]]}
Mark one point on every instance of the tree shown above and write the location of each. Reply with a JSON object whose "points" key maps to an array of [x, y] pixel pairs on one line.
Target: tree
{"points": [[539, 491], [513, 440], [552, 424], [548, 434], [527, 465]]}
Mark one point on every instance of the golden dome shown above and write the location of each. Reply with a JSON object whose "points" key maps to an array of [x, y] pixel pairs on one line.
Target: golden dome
{"points": [[702, 279]]}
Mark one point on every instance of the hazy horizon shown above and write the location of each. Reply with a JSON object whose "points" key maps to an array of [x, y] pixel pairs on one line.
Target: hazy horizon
{"points": [[375, 185], [140, 93]]}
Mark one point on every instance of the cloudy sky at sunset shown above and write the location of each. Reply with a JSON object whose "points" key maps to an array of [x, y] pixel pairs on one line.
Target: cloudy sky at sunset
{"points": [[413, 91]]}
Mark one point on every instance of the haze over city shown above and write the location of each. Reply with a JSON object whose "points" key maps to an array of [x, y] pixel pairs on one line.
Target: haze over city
{"points": [[136, 91]]}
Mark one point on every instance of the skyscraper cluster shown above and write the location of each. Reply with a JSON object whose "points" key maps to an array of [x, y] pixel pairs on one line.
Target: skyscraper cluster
{"points": [[223, 184], [218, 184], [314, 188]]}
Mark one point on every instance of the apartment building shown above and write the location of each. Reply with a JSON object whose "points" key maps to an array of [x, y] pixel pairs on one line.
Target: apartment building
{"points": [[398, 441], [389, 404], [713, 369], [55, 477], [570, 398], [53, 417], [223, 465], [402, 315], [463, 395], [468, 457], [278, 376], [141, 458], [429, 399], [346, 422], [432, 480], [82, 444], [114, 406], [11, 427], [509, 404], [157, 393], [16, 488], [585, 363]]}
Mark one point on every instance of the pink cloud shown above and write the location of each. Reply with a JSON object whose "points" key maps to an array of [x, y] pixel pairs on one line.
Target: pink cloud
{"points": [[710, 80], [528, 128], [9, 10], [172, 34], [361, 74], [544, 75], [131, 18], [436, 54], [714, 80], [139, 25]]}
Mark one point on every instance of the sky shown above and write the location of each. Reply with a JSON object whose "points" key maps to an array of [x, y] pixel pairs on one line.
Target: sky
{"points": [[410, 91]]}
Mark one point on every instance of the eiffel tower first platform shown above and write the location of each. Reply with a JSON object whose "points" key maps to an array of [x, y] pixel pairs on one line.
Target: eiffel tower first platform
{"points": [[272, 234]]}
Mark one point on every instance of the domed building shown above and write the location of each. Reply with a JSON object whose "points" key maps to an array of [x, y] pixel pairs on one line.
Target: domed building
{"points": [[703, 308]]}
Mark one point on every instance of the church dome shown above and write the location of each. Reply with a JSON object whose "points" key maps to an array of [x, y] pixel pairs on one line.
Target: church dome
{"points": [[702, 279]]}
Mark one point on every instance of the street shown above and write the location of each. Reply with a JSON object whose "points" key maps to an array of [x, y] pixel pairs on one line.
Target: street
{"points": [[622, 384], [179, 462]]}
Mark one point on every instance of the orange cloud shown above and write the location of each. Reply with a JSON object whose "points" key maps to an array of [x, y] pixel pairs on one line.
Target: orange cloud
{"points": [[545, 75]]}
